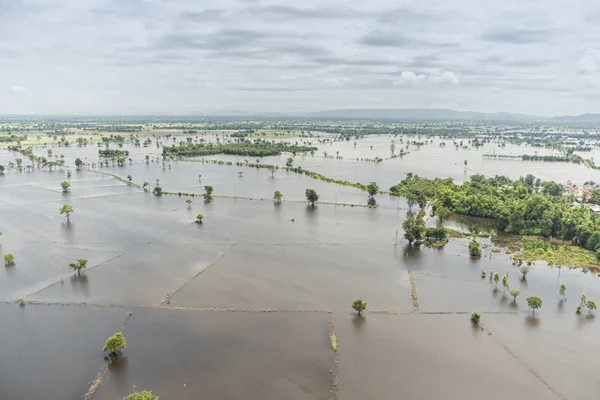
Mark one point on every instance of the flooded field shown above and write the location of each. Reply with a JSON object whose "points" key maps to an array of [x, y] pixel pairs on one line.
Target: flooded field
{"points": [[245, 304]]}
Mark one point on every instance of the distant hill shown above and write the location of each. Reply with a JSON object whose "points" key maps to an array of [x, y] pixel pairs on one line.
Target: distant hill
{"points": [[421, 114], [578, 119]]}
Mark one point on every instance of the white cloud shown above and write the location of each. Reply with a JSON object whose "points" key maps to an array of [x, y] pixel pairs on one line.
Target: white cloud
{"points": [[17, 89], [590, 62], [410, 78]]}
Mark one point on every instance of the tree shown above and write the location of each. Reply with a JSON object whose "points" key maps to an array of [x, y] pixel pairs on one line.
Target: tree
{"points": [[289, 162], [189, 203], [373, 189], [145, 185], [414, 229], [524, 270], [199, 218], [1, 169], [474, 249], [129, 178], [65, 186], [208, 192], [115, 344], [591, 305], [272, 170], [311, 196], [515, 293], [145, 395], [505, 281], [563, 290], [534, 303], [475, 317], [583, 302], [79, 266], [9, 259], [277, 196], [66, 209], [359, 306], [78, 163], [157, 190], [496, 278]]}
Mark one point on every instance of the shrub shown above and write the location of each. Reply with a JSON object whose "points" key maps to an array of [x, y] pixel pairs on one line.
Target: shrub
{"points": [[475, 317]]}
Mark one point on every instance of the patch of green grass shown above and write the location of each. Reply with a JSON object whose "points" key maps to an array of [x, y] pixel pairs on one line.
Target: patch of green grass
{"points": [[453, 233], [334, 342]]}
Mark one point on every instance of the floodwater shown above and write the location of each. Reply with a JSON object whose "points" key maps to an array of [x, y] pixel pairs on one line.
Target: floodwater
{"points": [[251, 255]]}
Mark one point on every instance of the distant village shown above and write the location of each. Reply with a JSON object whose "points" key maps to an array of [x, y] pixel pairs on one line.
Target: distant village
{"points": [[582, 195]]}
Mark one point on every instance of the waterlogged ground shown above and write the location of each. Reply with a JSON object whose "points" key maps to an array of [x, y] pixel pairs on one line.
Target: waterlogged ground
{"points": [[243, 306]]}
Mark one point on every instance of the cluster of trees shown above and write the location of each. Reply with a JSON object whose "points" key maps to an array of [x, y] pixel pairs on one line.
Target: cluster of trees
{"points": [[258, 148], [526, 206], [416, 232], [110, 153], [12, 138]]}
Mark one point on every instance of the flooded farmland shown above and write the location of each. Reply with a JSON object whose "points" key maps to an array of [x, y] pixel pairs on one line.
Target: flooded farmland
{"points": [[247, 304]]}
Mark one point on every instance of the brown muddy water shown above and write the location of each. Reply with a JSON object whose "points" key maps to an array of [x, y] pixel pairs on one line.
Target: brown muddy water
{"points": [[207, 333]]}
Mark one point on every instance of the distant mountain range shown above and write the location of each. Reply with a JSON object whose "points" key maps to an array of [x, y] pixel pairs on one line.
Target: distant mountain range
{"points": [[441, 114]]}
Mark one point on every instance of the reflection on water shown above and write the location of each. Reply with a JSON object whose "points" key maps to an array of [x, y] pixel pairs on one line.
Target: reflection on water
{"points": [[80, 284], [358, 322], [532, 322]]}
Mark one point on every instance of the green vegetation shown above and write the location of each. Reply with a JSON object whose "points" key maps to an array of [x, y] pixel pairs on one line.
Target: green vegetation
{"points": [[524, 270], [208, 193], [475, 317], [115, 344], [66, 209], [526, 206], [20, 301], [414, 228], [277, 196], [311, 196], [9, 259], [189, 203], [258, 148], [534, 303], [108, 153], [515, 293], [145, 395], [359, 306], [373, 189], [79, 266], [563, 290], [555, 252], [158, 191], [496, 278], [333, 339], [66, 186], [474, 249], [199, 218]]}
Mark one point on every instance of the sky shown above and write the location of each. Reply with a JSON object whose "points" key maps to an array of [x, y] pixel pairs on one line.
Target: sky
{"points": [[197, 57]]}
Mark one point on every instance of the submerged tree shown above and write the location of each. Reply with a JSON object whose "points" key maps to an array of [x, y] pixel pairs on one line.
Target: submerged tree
{"points": [[289, 162], [505, 281], [534, 303], [79, 266], [524, 270], [9, 259], [145, 395], [272, 170], [515, 293], [66, 209], [474, 249], [359, 306], [591, 305], [563, 290], [66, 186], [496, 278], [115, 344], [277, 196], [157, 190], [311, 196], [208, 192], [372, 188], [199, 218], [414, 229], [78, 163], [475, 317]]}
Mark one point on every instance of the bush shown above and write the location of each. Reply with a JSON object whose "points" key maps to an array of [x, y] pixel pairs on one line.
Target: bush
{"points": [[145, 395], [474, 249], [475, 317]]}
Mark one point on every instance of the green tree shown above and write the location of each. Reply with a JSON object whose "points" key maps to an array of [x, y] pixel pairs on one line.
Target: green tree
{"points": [[199, 218], [157, 190], [66, 209], [474, 249], [563, 290], [524, 270], [591, 305], [372, 188], [277, 196], [115, 344], [505, 281], [208, 192], [414, 229], [129, 178], [496, 278], [475, 317], [65, 186], [534, 303], [145, 185], [359, 306], [1, 169], [145, 395], [79, 266], [515, 293], [289, 162], [189, 203], [272, 170], [9, 259], [311, 196]]}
